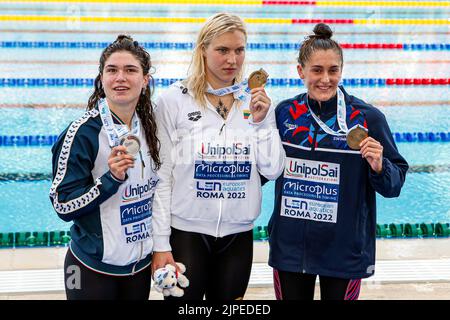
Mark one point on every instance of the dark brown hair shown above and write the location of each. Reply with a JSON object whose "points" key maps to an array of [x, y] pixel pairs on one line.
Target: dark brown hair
{"points": [[144, 108], [320, 40]]}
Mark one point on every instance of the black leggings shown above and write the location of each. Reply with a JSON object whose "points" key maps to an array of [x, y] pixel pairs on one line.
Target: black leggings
{"points": [[300, 286], [217, 268], [82, 283]]}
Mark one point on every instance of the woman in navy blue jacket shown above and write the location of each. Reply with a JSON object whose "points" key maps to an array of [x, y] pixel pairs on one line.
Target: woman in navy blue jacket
{"points": [[324, 219]]}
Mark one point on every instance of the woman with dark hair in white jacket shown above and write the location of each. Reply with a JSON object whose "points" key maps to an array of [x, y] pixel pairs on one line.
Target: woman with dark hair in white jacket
{"points": [[104, 178]]}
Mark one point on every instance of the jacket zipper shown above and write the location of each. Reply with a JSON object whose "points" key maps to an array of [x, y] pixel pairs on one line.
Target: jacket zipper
{"points": [[224, 130], [220, 200], [316, 128], [313, 148], [133, 271], [304, 249]]}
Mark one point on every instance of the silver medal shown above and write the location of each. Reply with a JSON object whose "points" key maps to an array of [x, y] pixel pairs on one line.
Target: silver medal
{"points": [[132, 143]]}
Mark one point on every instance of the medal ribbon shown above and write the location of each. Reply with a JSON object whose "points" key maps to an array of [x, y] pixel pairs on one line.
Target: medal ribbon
{"points": [[341, 115], [239, 90], [115, 132]]}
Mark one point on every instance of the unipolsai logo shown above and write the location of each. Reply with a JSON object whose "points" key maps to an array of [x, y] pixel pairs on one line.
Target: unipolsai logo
{"points": [[135, 192], [304, 169], [234, 149]]}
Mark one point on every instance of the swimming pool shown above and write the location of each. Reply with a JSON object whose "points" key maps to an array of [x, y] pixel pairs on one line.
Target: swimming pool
{"points": [[396, 57]]}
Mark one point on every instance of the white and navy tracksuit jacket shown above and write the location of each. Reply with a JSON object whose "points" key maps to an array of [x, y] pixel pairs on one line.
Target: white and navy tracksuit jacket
{"points": [[112, 230], [324, 219]]}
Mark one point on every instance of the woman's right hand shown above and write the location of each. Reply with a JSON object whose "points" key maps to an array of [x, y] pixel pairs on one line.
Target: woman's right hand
{"points": [[160, 259], [119, 162]]}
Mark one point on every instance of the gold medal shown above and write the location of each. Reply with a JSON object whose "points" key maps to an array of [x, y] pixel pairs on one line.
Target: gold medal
{"points": [[132, 143], [257, 78], [355, 136]]}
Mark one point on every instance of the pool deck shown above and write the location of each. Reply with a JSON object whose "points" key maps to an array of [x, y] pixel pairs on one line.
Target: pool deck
{"points": [[406, 269]]}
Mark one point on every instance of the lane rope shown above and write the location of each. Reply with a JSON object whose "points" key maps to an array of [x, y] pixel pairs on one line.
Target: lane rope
{"points": [[250, 46], [318, 3], [118, 19], [274, 82], [49, 140]]}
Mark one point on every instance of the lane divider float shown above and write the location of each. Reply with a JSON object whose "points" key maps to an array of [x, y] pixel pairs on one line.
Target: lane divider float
{"points": [[49, 140], [317, 3], [117, 19], [250, 46], [39, 176], [274, 82], [58, 238]]}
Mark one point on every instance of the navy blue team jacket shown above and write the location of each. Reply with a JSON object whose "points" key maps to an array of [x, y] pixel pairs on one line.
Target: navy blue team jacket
{"points": [[111, 231], [324, 218]]}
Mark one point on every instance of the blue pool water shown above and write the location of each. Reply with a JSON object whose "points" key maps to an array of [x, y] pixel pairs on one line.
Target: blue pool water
{"points": [[25, 171]]}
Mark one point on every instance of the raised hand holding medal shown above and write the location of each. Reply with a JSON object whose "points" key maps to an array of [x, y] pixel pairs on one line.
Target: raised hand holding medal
{"points": [[260, 102], [257, 79], [358, 139], [372, 151], [119, 161], [125, 143]]}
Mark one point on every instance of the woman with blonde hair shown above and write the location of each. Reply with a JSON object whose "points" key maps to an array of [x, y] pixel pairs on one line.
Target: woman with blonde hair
{"points": [[217, 138]]}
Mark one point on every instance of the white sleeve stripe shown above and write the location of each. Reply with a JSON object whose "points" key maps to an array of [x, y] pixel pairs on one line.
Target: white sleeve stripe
{"points": [[94, 192]]}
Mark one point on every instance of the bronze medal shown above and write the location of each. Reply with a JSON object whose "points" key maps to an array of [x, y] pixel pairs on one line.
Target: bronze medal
{"points": [[257, 78], [355, 136], [132, 143]]}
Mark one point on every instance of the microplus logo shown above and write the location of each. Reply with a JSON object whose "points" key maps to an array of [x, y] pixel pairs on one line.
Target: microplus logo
{"points": [[222, 171], [298, 189], [235, 149], [221, 168], [135, 212]]}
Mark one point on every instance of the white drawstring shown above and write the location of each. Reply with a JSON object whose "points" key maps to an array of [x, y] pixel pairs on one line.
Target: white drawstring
{"points": [[220, 216]]}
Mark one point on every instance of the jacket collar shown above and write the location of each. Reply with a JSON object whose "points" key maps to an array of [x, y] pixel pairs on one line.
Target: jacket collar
{"points": [[328, 107], [325, 108]]}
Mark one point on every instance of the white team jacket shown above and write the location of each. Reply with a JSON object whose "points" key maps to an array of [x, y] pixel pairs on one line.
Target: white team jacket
{"points": [[210, 175]]}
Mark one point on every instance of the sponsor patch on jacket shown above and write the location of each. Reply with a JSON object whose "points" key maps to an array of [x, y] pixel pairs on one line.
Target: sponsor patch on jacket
{"points": [[222, 170], [135, 221], [137, 191], [135, 211], [310, 190]]}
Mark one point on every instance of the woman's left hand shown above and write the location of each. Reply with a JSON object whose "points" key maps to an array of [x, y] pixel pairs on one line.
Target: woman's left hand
{"points": [[259, 104], [372, 151]]}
